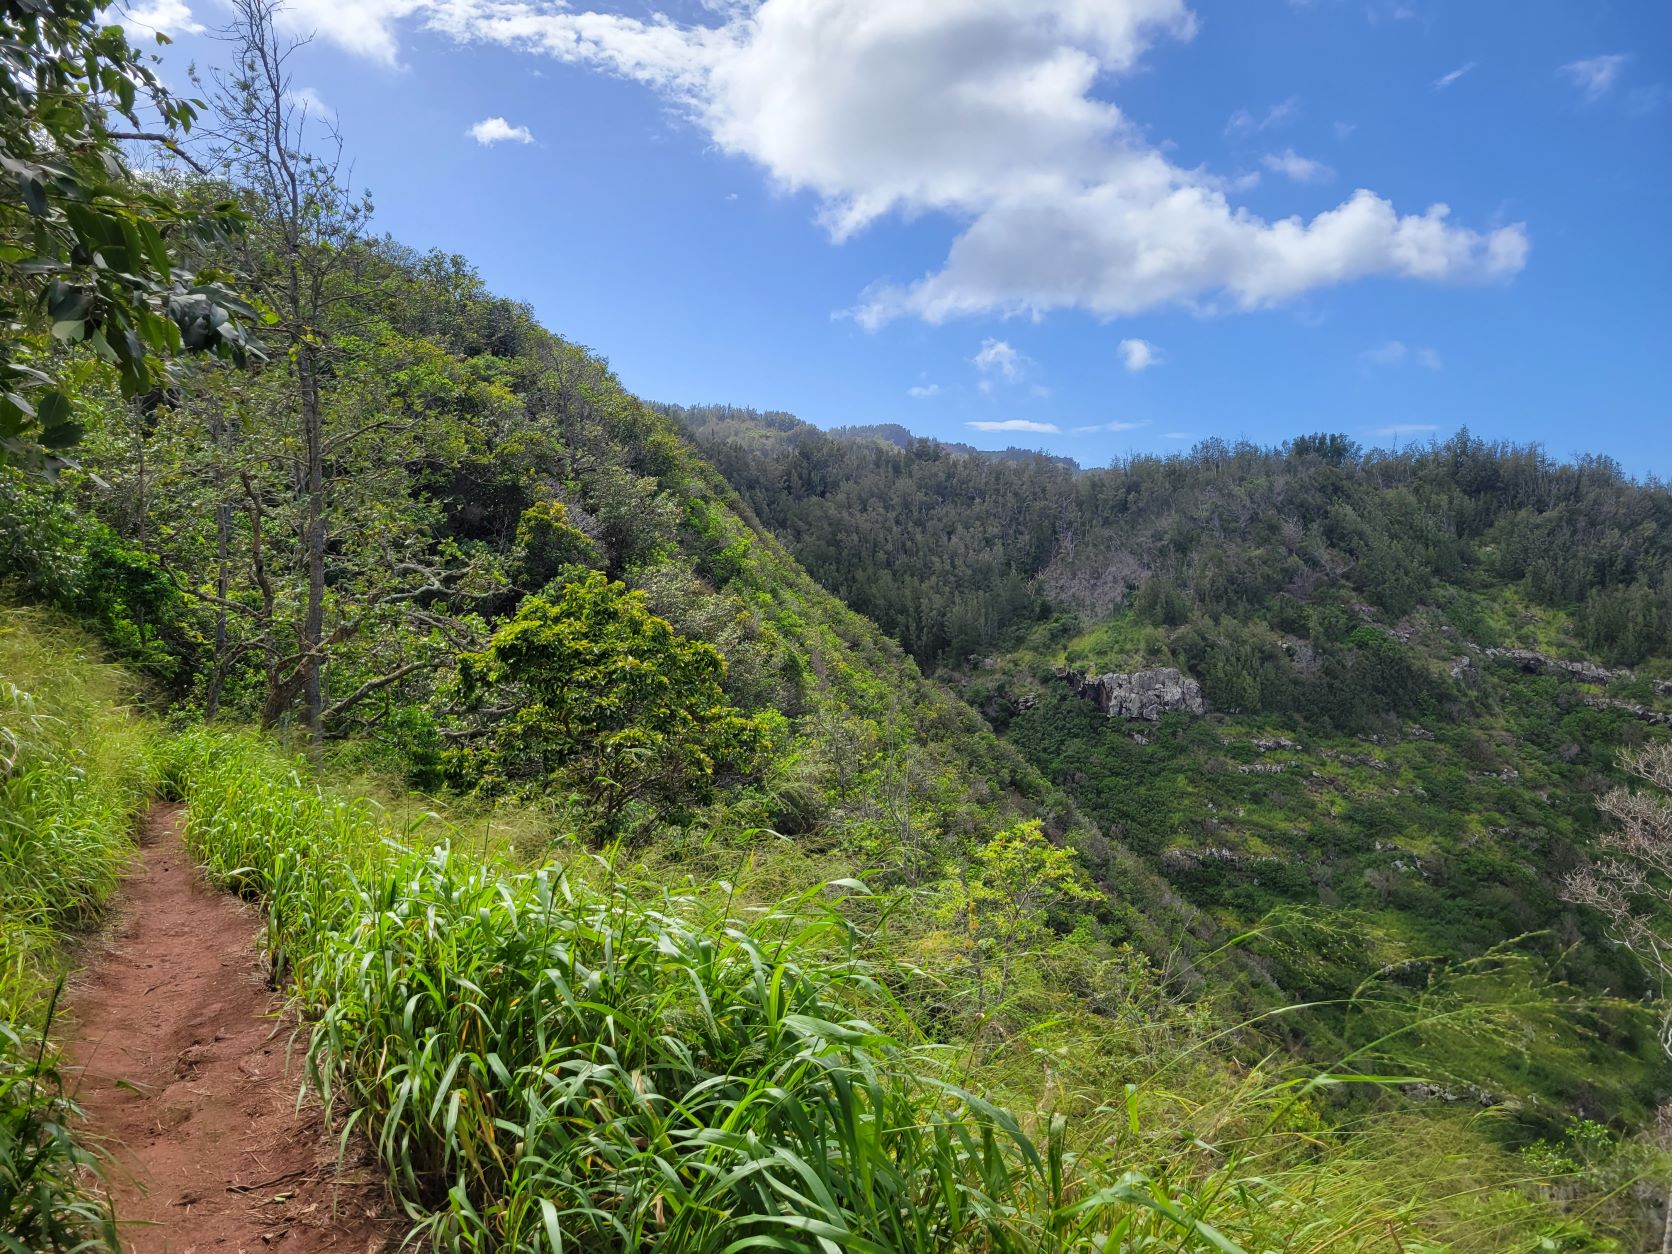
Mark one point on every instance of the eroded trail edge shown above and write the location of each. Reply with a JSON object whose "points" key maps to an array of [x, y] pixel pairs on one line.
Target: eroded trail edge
{"points": [[189, 1077]]}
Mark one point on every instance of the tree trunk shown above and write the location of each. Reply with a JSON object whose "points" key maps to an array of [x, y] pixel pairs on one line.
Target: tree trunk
{"points": [[313, 540], [223, 578]]}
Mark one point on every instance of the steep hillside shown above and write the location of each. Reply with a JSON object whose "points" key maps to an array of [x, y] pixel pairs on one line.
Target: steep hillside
{"points": [[1418, 670]]}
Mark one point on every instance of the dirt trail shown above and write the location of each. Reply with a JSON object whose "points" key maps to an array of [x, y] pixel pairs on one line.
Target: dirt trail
{"points": [[190, 1080]]}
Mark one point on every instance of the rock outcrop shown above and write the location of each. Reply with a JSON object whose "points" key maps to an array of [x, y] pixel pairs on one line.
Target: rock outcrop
{"points": [[1140, 695], [1658, 718], [1534, 663]]}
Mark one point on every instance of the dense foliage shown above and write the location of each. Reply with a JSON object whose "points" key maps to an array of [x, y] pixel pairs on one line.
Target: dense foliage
{"points": [[73, 772], [955, 555], [436, 543], [90, 255]]}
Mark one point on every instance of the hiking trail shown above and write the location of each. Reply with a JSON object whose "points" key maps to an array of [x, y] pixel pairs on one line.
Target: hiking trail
{"points": [[184, 1062]]}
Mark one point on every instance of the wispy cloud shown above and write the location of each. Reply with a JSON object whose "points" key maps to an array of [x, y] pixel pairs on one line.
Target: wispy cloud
{"points": [[1595, 76], [1645, 100], [998, 357], [923, 390], [1446, 80], [1111, 426], [1407, 428], [1302, 169], [1179, 435], [1396, 352], [1017, 424], [310, 101], [1139, 355], [490, 131], [1243, 122], [998, 360]]}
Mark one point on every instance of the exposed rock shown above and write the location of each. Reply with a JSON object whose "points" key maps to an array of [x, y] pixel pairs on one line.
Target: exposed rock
{"points": [[1535, 663], [1181, 859], [1657, 718], [1263, 768], [1461, 666], [1145, 695], [1265, 744]]}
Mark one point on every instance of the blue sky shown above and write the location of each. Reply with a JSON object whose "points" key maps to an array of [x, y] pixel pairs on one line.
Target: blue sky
{"points": [[1090, 226]]}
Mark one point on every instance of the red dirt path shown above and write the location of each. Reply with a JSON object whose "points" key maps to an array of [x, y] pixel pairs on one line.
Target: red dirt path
{"points": [[189, 1078]]}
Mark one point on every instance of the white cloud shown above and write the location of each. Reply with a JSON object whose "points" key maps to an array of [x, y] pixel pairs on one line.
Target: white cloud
{"points": [[997, 359], [170, 17], [1596, 75], [1446, 80], [1301, 169], [1178, 435], [491, 131], [1111, 426], [923, 390], [1243, 122], [1139, 355], [310, 101], [1344, 131], [1017, 424], [1396, 352], [1407, 428], [994, 115]]}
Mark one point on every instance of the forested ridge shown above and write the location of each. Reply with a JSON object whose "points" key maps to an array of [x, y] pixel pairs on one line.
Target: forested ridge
{"points": [[675, 829]]}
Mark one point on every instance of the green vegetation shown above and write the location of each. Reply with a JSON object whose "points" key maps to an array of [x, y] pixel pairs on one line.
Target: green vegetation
{"points": [[742, 933], [73, 773], [599, 1054]]}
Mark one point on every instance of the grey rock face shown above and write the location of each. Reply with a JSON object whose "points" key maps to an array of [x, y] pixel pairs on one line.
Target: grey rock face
{"points": [[1534, 663], [1142, 695]]}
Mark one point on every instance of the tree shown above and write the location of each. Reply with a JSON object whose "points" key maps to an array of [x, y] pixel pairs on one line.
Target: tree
{"points": [[311, 224], [89, 255], [1023, 878], [597, 692], [1632, 888]]}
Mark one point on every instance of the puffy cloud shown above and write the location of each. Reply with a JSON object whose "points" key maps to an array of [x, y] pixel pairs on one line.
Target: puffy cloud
{"points": [[491, 131], [1596, 75], [923, 390], [1139, 355], [1447, 79], [991, 113], [170, 17], [1017, 424], [1293, 165]]}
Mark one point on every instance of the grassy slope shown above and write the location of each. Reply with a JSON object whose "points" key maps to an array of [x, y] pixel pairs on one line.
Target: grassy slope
{"points": [[74, 770], [517, 1035]]}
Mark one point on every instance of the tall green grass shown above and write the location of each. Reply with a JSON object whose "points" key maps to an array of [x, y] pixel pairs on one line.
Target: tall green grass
{"points": [[74, 771], [554, 1060], [586, 1057]]}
